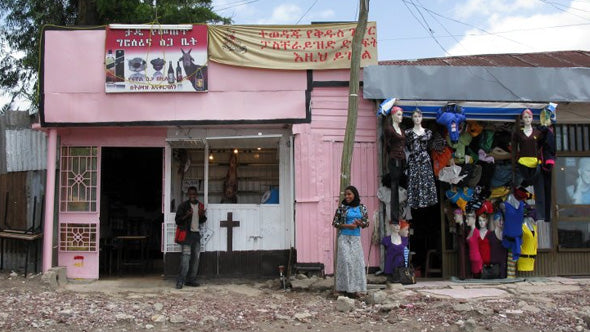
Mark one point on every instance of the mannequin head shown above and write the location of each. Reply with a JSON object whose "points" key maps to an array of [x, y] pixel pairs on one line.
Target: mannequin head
{"points": [[417, 117], [470, 219], [527, 117], [397, 114], [395, 228], [404, 228], [458, 216], [498, 220], [482, 221]]}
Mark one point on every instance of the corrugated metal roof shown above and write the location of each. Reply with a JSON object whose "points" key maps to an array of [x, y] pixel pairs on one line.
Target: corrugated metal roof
{"points": [[543, 59]]}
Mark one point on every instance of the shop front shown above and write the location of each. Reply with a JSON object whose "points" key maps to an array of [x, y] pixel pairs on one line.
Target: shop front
{"points": [[147, 120], [477, 115]]}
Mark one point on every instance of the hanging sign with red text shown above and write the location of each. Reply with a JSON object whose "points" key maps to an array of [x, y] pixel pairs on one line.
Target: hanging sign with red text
{"points": [[300, 47], [159, 59]]}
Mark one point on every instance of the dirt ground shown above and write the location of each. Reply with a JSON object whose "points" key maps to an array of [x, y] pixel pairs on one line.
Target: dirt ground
{"points": [[152, 303]]}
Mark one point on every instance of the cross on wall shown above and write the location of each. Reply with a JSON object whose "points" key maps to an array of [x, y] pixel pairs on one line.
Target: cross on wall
{"points": [[229, 224]]}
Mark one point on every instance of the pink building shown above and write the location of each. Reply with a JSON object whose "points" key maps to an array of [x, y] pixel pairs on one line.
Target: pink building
{"points": [[123, 161]]}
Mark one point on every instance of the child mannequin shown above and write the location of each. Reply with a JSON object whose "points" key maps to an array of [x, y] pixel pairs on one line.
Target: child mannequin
{"points": [[394, 249]]}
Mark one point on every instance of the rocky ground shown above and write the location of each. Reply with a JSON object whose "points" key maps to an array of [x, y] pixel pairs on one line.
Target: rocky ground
{"points": [[139, 304]]}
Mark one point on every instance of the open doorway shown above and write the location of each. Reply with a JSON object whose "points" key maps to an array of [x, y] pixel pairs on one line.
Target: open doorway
{"points": [[131, 209]]}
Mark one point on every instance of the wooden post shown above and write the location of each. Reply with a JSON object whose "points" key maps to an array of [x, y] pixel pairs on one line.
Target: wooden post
{"points": [[351, 119]]}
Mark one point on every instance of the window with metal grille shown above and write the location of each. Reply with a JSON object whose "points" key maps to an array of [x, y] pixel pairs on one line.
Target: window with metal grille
{"points": [[78, 178], [77, 237], [572, 138]]}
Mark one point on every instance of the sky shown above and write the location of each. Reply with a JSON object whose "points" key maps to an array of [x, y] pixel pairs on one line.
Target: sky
{"points": [[415, 29]]}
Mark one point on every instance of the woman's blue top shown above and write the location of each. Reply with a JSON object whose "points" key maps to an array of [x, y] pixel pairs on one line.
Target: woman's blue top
{"points": [[352, 213]]}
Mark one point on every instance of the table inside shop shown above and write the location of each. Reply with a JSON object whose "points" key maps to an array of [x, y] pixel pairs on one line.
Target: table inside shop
{"points": [[126, 246]]}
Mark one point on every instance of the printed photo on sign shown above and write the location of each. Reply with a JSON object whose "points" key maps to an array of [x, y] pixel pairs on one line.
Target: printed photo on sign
{"points": [[156, 60]]}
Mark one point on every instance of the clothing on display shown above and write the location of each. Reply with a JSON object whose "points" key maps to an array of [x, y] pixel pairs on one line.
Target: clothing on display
{"points": [[421, 186]]}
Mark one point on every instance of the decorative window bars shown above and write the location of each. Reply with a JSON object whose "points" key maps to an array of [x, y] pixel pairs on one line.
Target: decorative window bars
{"points": [[79, 237], [78, 179]]}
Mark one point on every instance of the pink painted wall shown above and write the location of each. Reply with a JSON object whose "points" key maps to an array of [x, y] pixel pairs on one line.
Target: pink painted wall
{"points": [[318, 152], [85, 264], [74, 89]]}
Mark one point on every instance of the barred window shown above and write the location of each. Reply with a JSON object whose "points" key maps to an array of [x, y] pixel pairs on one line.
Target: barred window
{"points": [[78, 179]]}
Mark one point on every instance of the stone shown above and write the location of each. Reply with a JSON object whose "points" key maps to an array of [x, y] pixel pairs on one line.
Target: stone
{"points": [[462, 307], [377, 297], [157, 318], [344, 304], [303, 316], [55, 276], [176, 319], [158, 306]]}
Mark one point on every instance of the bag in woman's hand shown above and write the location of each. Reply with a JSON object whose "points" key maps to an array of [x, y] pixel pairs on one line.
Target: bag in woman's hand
{"points": [[180, 235]]}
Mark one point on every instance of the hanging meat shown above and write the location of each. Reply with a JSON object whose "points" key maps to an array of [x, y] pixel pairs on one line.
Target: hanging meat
{"points": [[230, 184]]}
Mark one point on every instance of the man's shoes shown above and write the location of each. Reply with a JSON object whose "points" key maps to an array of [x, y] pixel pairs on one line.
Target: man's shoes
{"points": [[179, 285], [192, 284]]}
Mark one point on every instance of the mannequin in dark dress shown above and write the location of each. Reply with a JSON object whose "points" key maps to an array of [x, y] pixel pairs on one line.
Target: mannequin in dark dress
{"points": [[395, 141]]}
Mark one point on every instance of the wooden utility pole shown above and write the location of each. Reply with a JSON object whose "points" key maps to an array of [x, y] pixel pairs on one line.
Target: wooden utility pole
{"points": [[353, 88], [351, 119]]}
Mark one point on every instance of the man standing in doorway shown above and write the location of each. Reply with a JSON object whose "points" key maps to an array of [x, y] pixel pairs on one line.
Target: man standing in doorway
{"points": [[186, 218]]}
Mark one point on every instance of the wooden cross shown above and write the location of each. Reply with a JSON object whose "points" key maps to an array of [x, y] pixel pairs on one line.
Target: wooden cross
{"points": [[230, 224]]}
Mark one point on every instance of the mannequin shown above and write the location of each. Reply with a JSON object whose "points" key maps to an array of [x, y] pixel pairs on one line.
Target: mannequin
{"points": [[394, 249], [484, 243], [421, 186], [473, 239], [497, 251], [526, 262], [395, 141], [512, 235], [458, 218], [527, 146]]}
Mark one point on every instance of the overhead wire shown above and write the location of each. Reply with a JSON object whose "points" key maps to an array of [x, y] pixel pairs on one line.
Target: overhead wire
{"points": [[566, 11], [427, 28], [471, 25], [493, 33], [235, 4], [307, 11], [494, 78], [445, 28]]}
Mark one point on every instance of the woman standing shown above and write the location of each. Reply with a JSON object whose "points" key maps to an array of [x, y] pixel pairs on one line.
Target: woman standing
{"points": [[421, 186], [349, 218]]}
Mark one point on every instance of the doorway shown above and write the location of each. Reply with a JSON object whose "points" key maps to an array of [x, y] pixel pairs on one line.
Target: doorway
{"points": [[131, 208]]}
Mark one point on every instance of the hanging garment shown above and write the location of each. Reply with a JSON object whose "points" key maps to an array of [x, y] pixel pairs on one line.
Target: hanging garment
{"points": [[512, 235], [421, 187], [394, 254], [474, 254], [498, 253], [528, 253], [484, 247]]}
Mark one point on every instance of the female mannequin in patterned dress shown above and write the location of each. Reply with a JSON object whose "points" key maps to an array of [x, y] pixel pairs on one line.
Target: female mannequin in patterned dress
{"points": [[421, 186]]}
